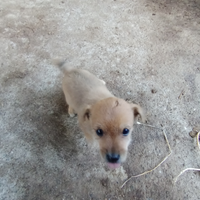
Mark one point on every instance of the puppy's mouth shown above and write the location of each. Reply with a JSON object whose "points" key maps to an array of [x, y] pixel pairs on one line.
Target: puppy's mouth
{"points": [[113, 160], [113, 165]]}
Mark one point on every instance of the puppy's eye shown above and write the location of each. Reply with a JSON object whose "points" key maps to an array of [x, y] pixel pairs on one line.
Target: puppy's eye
{"points": [[99, 132], [125, 132]]}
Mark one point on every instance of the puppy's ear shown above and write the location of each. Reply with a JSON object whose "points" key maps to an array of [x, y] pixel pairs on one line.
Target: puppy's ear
{"points": [[87, 113], [138, 112]]}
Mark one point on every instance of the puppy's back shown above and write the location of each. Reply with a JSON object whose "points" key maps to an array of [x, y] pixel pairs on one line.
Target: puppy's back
{"points": [[81, 87]]}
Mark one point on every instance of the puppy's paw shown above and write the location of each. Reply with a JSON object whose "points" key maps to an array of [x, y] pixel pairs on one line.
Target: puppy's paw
{"points": [[103, 81], [71, 114]]}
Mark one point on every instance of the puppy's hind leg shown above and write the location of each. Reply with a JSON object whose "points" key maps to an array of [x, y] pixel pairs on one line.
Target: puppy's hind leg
{"points": [[71, 111]]}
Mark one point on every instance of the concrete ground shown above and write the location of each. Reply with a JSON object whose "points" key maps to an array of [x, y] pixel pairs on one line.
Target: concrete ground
{"points": [[146, 51]]}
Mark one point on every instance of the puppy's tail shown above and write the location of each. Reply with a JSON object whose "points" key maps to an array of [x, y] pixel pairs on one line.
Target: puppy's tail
{"points": [[62, 65]]}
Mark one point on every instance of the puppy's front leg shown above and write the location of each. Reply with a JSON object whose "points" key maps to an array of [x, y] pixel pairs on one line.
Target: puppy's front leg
{"points": [[71, 111]]}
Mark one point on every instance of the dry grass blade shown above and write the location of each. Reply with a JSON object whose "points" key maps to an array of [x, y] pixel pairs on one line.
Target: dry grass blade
{"points": [[188, 169], [182, 93], [198, 138], [146, 172]]}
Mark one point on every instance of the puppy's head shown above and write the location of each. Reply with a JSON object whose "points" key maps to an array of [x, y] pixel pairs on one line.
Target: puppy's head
{"points": [[111, 121]]}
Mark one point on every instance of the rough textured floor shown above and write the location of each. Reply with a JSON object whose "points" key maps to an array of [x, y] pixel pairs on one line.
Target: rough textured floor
{"points": [[146, 51]]}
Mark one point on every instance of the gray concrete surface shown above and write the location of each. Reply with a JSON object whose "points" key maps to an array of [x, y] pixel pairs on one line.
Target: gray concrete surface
{"points": [[146, 51]]}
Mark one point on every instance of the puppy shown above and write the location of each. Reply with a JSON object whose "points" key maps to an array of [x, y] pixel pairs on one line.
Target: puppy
{"points": [[104, 119]]}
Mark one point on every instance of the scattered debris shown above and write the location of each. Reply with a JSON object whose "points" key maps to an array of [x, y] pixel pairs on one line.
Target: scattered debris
{"points": [[146, 172], [104, 182], [182, 93], [198, 139], [153, 91], [194, 133]]}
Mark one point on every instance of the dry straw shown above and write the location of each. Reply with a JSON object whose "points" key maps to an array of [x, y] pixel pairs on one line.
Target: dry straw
{"points": [[146, 172], [189, 169], [170, 151], [198, 138]]}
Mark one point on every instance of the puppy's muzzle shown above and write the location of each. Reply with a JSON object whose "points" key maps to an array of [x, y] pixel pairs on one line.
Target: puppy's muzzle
{"points": [[113, 158]]}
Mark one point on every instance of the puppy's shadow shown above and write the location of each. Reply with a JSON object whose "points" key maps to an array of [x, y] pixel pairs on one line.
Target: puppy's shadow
{"points": [[50, 122]]}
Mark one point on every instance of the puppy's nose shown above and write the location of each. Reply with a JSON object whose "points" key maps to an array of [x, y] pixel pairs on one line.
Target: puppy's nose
{"points": [[113, 158]]}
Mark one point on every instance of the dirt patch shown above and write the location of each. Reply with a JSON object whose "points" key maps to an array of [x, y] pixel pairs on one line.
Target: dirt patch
{"points": [[146, 51]]}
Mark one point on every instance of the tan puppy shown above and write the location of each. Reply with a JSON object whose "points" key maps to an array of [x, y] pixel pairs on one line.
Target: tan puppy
{"points": [[103, 118]]}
